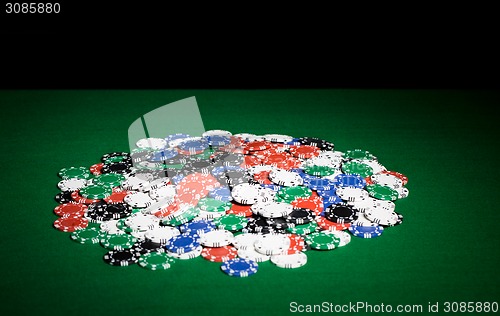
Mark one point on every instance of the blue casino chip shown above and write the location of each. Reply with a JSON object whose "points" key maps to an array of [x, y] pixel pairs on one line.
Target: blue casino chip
{"points": [[349, 180], [239, 267]]}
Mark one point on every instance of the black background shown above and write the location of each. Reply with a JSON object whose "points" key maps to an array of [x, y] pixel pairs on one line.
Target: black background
{"points": [[250, 45]]}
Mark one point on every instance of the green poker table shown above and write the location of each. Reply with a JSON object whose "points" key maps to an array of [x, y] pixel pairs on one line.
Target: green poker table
{"points": [[446, 252]]}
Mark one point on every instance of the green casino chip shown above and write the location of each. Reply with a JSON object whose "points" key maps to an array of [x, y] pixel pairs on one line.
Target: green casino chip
{"points": [[213, 205], [182, 218], [231, 222], [91, 235], [109, 180], [96, 192], [118, 241], [122, 226], [303, 229], [382, 192], [319, 171], [322, 241], [359, 168], [289, 194], [156, 261], [75, 172], [359, 154]]}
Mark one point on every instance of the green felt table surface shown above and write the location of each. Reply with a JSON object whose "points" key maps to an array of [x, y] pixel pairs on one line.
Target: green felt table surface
{"points": [[446, 250]]}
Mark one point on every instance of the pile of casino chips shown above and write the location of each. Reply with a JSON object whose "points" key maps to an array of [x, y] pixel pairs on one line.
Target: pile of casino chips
{"points": [[234, 199]]}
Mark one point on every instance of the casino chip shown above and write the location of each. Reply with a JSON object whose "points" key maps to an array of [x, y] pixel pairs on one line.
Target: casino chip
{"points": [[328, 225], [234, 199], [245, 241], [322, 241], [70, 223], [343, 236], [183, 243], [366, 231], [161, 235], [239, 267], [272, 244], [277, 138], [317, 142], [349, 180], [217, 238], [72, 184], [110, 227], [186, 255], [118, 241], [64, 197], [303, 229], [95, 192], [382, 216], [96, 169], [252, 254], [231, 222], [109, 180], [300, 216], [272, 209], [74, 172], [246, 193], [142, 247], [87, 235], [70, 210], [341, 213], [198, 227], [290, 261], [156, 261], [357, 167], [382, 192], [285, 178], [351, 194], [121, 258], [219, 254], [138, 199], [154, 143]]}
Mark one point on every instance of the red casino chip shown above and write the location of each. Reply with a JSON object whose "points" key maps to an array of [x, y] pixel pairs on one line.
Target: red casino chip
{"points": [[240, 209], [325, 224], [96, 169], [313, 203], [116, 197], [234, 149], [188, 198], [198, 184], [368, 180], [168, 211], [219, 254], [70, 223], [71, 210], [257, 145], [290, 163], [262, 177], [276, 158], [236, 141], [279, 147], [297, 244], [397, 175], [305, 151], [250, 161]]}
